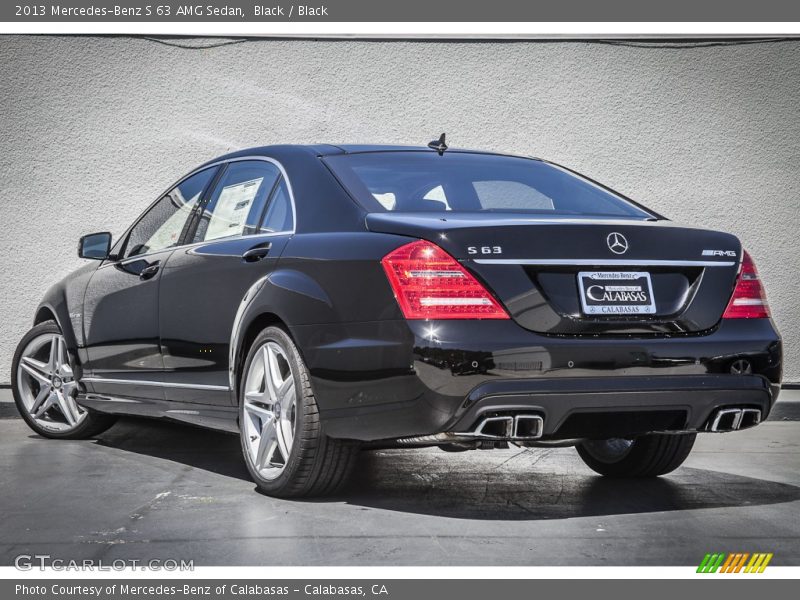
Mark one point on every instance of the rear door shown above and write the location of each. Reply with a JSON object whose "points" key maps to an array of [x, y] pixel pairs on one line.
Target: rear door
{"points": [[238, 236]]}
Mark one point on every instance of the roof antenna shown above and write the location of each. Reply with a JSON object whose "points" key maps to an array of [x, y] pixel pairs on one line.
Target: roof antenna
{"points": [[438, 145]]}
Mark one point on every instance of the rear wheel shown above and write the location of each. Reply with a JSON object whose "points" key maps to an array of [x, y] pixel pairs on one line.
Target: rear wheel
{"points": [[45, 387], [646, 456], [284, 447]]}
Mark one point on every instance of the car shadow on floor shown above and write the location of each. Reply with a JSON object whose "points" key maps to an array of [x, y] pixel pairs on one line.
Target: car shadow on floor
{"points": [[534, 484], [213, 451], [541, 492]]}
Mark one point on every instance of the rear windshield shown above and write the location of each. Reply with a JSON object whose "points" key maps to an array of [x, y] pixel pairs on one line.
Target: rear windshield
{"points": [[464, 182]]}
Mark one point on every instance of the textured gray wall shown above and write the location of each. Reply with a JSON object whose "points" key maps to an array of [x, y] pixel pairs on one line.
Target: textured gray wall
{"points": [[92, 129]]}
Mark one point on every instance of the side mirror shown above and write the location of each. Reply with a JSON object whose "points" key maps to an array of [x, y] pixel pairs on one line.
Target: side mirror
{"points": [[95, 246]]}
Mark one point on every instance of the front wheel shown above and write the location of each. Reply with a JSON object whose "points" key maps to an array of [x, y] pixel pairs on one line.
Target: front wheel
{"points": [[646, 456], [45, 387], [284, 447]]}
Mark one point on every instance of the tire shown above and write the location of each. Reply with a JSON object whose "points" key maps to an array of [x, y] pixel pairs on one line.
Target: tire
{"points": [[286, 416], [56, 396], [647, 456]]}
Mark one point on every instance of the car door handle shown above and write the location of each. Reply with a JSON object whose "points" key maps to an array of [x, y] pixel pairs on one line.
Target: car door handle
{"points": [[257, 253], [149, 271]]}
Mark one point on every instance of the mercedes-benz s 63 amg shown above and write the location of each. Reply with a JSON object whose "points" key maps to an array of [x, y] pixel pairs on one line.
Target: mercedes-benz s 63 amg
{"points": [[317, 299]]}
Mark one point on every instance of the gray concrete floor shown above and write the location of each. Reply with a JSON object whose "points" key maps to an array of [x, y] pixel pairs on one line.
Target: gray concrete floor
{"points": [[149, 490]]}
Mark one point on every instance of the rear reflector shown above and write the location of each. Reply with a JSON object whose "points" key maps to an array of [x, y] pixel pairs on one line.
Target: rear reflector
{"points": [[430, 284], [749, 300]]}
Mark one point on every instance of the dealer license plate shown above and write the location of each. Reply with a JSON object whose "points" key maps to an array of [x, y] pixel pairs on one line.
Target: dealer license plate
{"points": [[616, 293]]}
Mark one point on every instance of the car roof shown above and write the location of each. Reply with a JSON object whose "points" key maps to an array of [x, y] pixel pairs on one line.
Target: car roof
{"points": [[276, 151]]}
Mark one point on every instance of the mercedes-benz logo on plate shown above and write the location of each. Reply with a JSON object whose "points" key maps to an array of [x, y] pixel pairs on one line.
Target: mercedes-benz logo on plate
{"points": [[617, 243]]}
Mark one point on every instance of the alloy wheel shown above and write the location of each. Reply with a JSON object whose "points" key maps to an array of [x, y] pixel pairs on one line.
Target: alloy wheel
{"points": [[270, 411], [47, 385]]}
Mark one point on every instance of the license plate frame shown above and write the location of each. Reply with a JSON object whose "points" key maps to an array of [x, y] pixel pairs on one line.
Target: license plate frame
{"points": [[620, 293]]}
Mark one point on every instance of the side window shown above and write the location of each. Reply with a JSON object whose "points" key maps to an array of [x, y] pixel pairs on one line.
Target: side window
{"points": [[161, 226], [238, 201], [279, 215]]}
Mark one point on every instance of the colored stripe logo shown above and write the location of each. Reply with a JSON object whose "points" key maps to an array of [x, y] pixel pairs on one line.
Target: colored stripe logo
{"points": [[735, 562]]}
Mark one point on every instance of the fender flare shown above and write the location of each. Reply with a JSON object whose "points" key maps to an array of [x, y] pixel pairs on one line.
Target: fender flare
{"points": [[240, 325], [278, 295], [54, 307]]}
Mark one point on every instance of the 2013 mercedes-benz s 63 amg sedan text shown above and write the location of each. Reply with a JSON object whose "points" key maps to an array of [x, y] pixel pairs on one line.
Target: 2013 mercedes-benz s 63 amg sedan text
{"points": [[316, 298]]}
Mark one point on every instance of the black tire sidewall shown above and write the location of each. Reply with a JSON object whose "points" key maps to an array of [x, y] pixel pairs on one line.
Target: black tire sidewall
{"points": [[280, 337]]}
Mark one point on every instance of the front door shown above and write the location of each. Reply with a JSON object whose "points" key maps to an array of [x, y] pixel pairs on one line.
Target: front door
{"points": [[120, 312]]}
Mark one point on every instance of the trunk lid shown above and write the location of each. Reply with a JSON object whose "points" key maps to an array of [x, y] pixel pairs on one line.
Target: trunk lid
{"points": [[540, 269]]}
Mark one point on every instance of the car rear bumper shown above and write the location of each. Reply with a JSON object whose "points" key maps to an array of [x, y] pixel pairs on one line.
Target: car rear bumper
{"points": [[600, 408], [397, 379]]}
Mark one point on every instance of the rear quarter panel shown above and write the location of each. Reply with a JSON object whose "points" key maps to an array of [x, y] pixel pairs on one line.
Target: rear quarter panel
{"points": [[333, 278]]}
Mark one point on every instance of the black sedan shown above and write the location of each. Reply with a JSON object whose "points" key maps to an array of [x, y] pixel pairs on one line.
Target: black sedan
{"points": [[317, 299]]}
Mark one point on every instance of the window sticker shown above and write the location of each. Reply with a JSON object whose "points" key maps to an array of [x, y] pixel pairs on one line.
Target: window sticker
{"points": [[232, 208]]}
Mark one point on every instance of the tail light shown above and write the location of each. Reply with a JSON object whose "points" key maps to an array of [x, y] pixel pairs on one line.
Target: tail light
{"points": [[749, 300], [430, 284]]}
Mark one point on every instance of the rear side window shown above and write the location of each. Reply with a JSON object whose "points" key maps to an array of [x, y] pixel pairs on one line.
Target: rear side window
{"points": [[238, 201], [279, 215], [408, 181]]}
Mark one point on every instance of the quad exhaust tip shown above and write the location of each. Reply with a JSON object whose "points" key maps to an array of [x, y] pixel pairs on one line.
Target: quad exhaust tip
{"points": [[517, 427], [733, 419], [510, 428]]}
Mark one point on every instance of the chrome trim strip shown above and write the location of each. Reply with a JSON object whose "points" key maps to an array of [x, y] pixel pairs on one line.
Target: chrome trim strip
{"points": [[188, 386], [603, 262], [91, 396], [253, 238]]}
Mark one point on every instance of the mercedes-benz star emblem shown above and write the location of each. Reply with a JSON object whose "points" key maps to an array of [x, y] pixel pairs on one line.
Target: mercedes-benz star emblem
{"points": [[617, 243]]}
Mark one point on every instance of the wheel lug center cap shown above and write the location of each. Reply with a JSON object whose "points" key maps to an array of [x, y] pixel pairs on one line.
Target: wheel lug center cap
{"points": [[278, 410], [57, 382]]}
